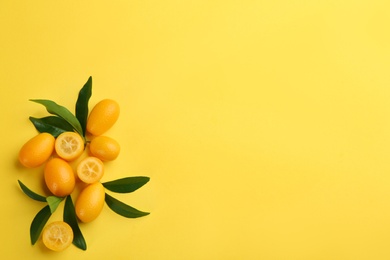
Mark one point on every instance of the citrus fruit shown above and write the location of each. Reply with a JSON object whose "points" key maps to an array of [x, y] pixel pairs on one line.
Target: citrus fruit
{"points": [[105, 148], [90, 202], [90, 169], [69, 145], [37, 150], [57, 236], [102, 117], [59, 177]]}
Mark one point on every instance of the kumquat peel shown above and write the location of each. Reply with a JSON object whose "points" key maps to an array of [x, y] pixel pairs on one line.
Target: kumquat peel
{"points": [[61, 139]]}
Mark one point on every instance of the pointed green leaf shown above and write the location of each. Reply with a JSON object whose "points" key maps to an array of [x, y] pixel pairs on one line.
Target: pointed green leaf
{"points": [[63, 112], [53, 202], [70, 218], [38, 223], [126, 185], [82, 104], [53, 125], [30, 193], [123, 209]]}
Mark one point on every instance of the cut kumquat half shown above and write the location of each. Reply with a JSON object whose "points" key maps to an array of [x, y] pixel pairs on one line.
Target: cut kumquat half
{"points": [[90, 170], [57, 236], [69, 146]]}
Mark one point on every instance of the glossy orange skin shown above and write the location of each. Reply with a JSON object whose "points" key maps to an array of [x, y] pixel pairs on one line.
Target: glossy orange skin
{"points": [[105, 148], [37, 150], [103, 116], [90, 202], [59, 177]]}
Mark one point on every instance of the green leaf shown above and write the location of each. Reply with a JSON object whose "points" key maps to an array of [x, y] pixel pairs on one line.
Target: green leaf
{"points": [[70, 218], [82, 104], [53, 125], [63, 112], [126, 185], [53, 202], [123, 209], [38, 223], [30, 193]]}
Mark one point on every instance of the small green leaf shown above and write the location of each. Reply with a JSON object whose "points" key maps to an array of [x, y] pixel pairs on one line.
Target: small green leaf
{"points": [[53, 202], [53, 125], [70, 218], [63, 112], [126, 185], [123, 209], [30, 193], [82, 104], [38, 223]]}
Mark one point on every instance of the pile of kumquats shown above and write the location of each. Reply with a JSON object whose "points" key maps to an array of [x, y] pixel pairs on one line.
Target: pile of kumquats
{"points": [[62, 139]]}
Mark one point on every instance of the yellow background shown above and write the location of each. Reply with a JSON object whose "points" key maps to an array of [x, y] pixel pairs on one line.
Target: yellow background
{"points": [[264, 125]]}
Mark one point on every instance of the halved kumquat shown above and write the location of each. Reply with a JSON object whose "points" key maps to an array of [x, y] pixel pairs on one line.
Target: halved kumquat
{"points": [[90, 170], [57, 236], [69, 145]]}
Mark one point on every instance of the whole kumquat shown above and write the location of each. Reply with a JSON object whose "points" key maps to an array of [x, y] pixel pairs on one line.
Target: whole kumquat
{"points": [[37, 150], [90, 202], [59, 177], [103, 116], [105, 148]]}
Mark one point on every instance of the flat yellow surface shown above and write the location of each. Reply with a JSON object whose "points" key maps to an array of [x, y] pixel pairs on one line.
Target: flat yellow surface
{"points": [[264, 125]]}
